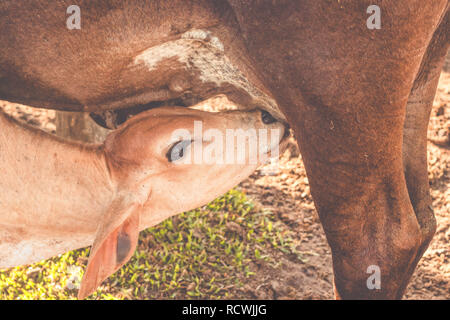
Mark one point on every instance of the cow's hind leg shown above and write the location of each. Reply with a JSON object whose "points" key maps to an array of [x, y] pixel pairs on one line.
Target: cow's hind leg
{"points": [[418, 112], [344, 90], [350, 125]]}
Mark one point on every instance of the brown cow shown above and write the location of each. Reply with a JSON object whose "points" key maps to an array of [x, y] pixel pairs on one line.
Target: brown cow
{"points": [[358, 99]]}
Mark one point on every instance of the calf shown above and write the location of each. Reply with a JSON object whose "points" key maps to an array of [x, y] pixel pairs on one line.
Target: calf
{"points": [[57, 196]]}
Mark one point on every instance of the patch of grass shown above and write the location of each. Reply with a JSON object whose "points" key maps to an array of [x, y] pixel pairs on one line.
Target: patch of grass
{"points": [[200, 254]]}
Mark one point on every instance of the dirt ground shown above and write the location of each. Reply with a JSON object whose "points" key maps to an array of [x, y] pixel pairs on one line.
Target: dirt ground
{"points": [[287, 194]]}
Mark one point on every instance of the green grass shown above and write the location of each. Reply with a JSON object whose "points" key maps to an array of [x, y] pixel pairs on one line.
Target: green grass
{"points": [[206, 253]]}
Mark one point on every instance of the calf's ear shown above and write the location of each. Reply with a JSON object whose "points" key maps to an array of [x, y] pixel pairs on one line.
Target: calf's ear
{"points": [[115, 242]]}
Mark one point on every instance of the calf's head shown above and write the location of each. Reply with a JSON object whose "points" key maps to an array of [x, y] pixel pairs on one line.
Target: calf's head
{"points": [[169, 160]]}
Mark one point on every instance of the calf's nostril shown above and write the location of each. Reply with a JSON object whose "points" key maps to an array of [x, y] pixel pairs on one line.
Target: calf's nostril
{"points": [[267, 117]]}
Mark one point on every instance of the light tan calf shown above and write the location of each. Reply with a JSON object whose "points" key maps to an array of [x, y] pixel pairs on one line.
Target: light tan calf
{"points": [[57, 196]]}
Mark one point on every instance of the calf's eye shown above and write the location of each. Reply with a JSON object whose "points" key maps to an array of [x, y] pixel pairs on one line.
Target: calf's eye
{"points": [[178, 150]]}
